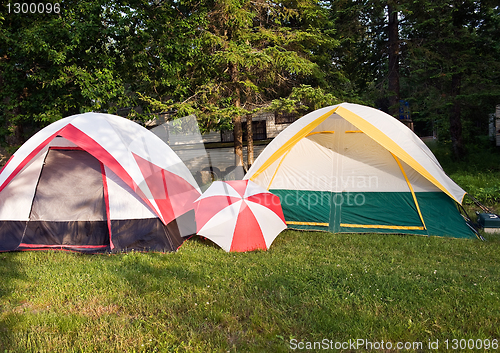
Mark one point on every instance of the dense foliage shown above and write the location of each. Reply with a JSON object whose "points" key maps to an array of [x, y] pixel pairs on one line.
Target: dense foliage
{"points": [[223, 59]]}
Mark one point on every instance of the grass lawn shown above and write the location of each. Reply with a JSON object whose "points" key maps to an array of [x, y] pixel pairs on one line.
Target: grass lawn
{"points": [[308, 287]]}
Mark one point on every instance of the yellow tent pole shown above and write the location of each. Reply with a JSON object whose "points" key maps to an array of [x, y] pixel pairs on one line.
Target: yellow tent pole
{"points": [[376, 226], [277, 168], [291, 142], [308, 223], [411, 189], [320, 132]]}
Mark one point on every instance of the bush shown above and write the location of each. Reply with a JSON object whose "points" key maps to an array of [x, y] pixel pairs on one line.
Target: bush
{"points": [[478, 173]]}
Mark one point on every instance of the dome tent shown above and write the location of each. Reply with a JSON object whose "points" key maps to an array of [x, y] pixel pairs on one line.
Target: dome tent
{"points": [[352, 168], [94, 183]]}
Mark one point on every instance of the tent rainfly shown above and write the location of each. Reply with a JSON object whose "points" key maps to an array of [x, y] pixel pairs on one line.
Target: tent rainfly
{"points": [[95, 183], [351, 168]]}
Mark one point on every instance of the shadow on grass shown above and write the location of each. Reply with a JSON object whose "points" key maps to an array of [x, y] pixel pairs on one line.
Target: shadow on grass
{"points": [[204, 241], [144, 276], [9, 274]]}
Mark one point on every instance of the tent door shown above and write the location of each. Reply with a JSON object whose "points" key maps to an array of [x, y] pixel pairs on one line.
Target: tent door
{"points": [[68, 208], [335, 212]]}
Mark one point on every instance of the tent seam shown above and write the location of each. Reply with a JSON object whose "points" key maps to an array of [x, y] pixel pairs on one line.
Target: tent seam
{"points": [[292, 142], [411, 190]]}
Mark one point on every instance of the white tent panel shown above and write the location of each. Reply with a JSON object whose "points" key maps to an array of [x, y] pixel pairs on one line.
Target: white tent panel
{"points": [[308, 166], [278, 142], [367, 167], [334, 124], [17, 197], [403, 142], [123, 202], [145, 144], [396, 131]]}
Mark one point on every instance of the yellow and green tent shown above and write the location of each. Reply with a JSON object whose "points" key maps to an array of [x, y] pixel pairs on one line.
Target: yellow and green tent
{"points": [[353, 168]]}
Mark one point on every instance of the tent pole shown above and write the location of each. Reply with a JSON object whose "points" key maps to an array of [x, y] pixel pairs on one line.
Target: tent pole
{"points": [[411, 189]]}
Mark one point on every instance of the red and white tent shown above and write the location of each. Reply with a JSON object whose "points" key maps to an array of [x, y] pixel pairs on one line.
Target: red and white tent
{"points": [[95, 182]]}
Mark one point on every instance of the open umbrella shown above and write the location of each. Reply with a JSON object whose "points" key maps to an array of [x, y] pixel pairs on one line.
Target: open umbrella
{"points": [[239, 215]]}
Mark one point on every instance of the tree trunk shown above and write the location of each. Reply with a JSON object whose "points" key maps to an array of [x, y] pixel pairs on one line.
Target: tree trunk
{"points": [[249, 141], [393, 47], [15, 138], [457, 142], [238, 138], [237, 131]]}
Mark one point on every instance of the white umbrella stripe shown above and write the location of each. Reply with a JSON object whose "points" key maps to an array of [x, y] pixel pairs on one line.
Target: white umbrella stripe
{"points": [[221, 224], [273, 223]]}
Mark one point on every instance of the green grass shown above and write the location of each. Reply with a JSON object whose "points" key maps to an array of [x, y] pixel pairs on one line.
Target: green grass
{"points": [[309, 286]]}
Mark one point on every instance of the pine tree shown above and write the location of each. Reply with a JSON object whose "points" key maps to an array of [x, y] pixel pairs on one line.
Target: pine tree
{"points": [[252, 53], [455, 67]]}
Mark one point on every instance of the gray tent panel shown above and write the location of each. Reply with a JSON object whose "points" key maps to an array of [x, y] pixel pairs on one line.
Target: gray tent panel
{"points": [[69, 208]]}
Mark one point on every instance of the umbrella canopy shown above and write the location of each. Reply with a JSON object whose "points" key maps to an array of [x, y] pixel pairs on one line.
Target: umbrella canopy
{"points": [[239, 215]]}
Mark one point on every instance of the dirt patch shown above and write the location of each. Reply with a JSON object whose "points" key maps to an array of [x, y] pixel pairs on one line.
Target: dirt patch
{"points": [[92, 307]]}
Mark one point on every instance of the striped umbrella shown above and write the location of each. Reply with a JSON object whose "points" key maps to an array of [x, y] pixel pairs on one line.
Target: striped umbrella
{"points": [[239, 215]]}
